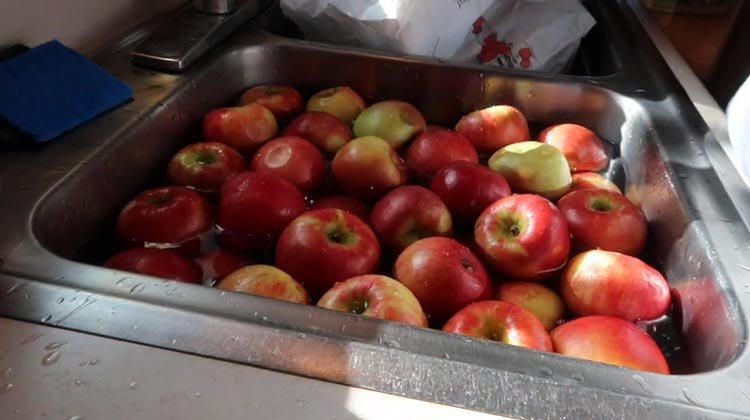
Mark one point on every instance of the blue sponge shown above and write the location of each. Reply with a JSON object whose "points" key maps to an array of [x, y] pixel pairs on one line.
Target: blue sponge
{"points": [[51, 88]]}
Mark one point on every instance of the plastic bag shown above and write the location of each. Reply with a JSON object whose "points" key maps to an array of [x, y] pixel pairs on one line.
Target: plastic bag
{"points": [[531, 34]]}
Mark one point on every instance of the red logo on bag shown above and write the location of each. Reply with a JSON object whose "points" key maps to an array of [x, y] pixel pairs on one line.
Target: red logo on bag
{"points": [[525, 53], [478, 25]]}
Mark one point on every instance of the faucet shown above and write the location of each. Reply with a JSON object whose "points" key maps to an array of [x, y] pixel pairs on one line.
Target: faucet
{"points": [[193, 31]]}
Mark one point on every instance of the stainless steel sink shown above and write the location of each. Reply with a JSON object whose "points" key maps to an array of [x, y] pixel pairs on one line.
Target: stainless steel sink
{"points": [[61, 197]]}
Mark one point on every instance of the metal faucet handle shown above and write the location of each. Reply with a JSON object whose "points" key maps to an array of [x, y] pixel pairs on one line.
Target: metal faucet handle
{"points": [[215, 7]]}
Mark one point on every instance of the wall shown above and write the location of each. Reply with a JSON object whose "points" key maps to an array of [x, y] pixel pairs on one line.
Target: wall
{"points": [[80, 24]]}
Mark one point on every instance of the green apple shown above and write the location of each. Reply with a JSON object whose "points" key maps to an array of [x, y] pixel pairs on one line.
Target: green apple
{"points": [[396, 122], [533, 167]]}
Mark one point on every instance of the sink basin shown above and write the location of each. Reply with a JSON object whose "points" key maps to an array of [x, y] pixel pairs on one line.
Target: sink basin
{"points": [[65, 198]]}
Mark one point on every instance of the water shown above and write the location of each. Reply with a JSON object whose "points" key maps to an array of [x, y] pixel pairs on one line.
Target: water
{"points": [[32, 337], [643, 384], [50, 358], [94, 361], [55, 345], [138, 288], [133, 385]]}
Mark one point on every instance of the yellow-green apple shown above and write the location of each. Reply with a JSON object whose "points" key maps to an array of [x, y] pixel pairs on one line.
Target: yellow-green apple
{"points": [[609, 340], [408, 214], [502, 322], [368, 167], [582, 147], [325, 131], [341, 101], [493, 128], [434, 149], [375, 296], [205, 166], [603, 219], [254, 208], [524, 236], [396, 122], [294, 159], [243, 128], [343, 202], [533, 167], [322, 247], [540, 300], [444, 275], [166, 217], [156, 262], [467, 188], [600, 282], [265, 280], [283, 101], [218, 263], [582, 180]]}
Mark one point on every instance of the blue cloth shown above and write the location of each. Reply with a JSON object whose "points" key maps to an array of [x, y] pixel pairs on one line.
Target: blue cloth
{"points": [[50, 89]]}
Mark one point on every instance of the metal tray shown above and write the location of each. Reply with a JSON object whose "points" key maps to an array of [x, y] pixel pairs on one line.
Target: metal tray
{"points": [[60, 196]]}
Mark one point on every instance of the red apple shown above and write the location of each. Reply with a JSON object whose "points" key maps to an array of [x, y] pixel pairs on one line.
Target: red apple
{"points": [[375, 296], [205, 166], [540, 300], [525, 236], [218, 263], [408, 214], [156, 262], [467, 188], [322, 247], [343, 202], [325, 131], [283, 101], [609, 340], [444, 276], [603, 219], [493, 128], [294, 159], [582, 180], [341, 102], [166, 217], [265, 280], [500, 321], [609, 283], [243, 128], [583, 149], [368, 167], [434, 149], [254, 208], [396, 122]]}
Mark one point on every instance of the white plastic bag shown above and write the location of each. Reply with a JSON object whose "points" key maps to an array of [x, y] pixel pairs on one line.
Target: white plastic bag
{"points": [[533, 34]]}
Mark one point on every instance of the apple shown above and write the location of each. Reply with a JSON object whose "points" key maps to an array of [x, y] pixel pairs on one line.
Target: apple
{"points": [[166, 217], [609, 340], [493, 128], [243, 128], [396, 122], [467, 188], [609, 283], [582, 147], [343, 202], [368, 167], [254, 208], [341, 102], [375, 296], [294, 159], [205, 166], [524, 236], [582, 180], [408, 214], [218, 263], [533, 167], [540, 300], [325, 131], [434, 149], [502, 322], [444, 276], [603, 219], [322, 247], [283, 101], [265, 280], [157, 263]]}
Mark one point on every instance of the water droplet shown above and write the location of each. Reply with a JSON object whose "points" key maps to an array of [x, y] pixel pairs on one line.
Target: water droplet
{"points": [[447, 356], [133, 327], [9, 386], [8, 371], [55, 345], [138, 288], [197, 395], [60, 300], [643, 384], [690, 397], [46, 318], [746, 268], [174, 340], [124, 282], [545, 371], [343, 328], [76, 418], [578, 377], [16, 411], [32, 337], [94, 361], [50, 358], [80, 382], [133, 385]]}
